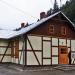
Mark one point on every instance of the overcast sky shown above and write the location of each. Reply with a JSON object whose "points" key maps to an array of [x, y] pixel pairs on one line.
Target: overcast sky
{"points": [[13, 12]]}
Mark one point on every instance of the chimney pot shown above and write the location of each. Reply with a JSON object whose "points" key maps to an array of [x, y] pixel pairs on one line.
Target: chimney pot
{"points": [[22, 25], [42, 15]]}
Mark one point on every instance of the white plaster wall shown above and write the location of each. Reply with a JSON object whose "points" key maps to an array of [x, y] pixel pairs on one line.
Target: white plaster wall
{"points": [[39, 56], [8, 51], [72, 57], [46, 38], [36, 42], [62, 42], [72, 45], [16, 60], [68, 43], [54, 50], [20, 58], [13, 60], [6, 59], [31, 60], [28, 46], [3, 43], [20, 44], [68, 50], [2, 50], [54, 41], [54, 60], [46, 49], [46, 61]]}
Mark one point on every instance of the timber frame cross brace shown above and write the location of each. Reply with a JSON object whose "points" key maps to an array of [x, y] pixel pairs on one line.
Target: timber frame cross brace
{"points": [[5, 51], [33, 51]]}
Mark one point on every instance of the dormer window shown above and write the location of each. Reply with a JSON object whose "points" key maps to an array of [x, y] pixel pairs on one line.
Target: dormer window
{"points": [[63, 30], [51, 29]]}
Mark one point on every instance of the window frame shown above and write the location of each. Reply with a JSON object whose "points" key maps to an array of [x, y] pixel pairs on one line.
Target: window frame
{"points": [[63, 30], [51, 29]]}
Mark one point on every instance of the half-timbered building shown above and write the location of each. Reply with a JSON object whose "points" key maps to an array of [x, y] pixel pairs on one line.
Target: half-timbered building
{"points": [[46, 42]]}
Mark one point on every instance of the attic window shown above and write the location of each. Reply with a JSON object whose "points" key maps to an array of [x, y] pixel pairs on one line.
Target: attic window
{"points": [[51, 29], [63, 30]]}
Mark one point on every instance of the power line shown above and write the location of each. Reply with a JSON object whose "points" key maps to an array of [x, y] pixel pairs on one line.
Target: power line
{"points": [[18, 9]]}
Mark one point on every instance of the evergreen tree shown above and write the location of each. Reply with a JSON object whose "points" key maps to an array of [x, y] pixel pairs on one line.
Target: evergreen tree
{"points": [[55, 8], [49, 12], [69, 9]]}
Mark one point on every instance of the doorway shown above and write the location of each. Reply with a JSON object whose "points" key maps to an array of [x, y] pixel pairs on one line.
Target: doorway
{"points": [[63, 55]]}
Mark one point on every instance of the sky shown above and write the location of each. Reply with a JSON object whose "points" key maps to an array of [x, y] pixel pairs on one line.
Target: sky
{"points": [[14, 12]]}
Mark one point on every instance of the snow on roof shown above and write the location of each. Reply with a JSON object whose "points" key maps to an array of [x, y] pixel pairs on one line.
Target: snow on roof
{"points": [[30, 27], [7, 34]]}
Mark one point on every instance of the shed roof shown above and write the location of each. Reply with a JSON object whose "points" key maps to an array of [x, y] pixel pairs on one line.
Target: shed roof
{"points": [[8, 34]]}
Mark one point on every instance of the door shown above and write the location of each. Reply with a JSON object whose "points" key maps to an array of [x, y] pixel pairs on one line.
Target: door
{"points": [[63, 55]]}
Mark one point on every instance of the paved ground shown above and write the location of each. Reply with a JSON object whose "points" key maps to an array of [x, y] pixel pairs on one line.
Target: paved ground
{"points": [[16, 70]]}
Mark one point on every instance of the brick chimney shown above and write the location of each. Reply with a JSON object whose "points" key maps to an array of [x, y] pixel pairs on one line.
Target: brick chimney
{"points": [[22, 25], [42, 15]]}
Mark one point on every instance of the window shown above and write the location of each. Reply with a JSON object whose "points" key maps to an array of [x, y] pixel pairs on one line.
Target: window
{"points": [[63, 30], [51, 29], [63, 51]]}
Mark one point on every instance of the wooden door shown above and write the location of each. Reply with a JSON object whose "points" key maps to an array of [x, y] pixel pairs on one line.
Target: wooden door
{"points": [[63, 55]]}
